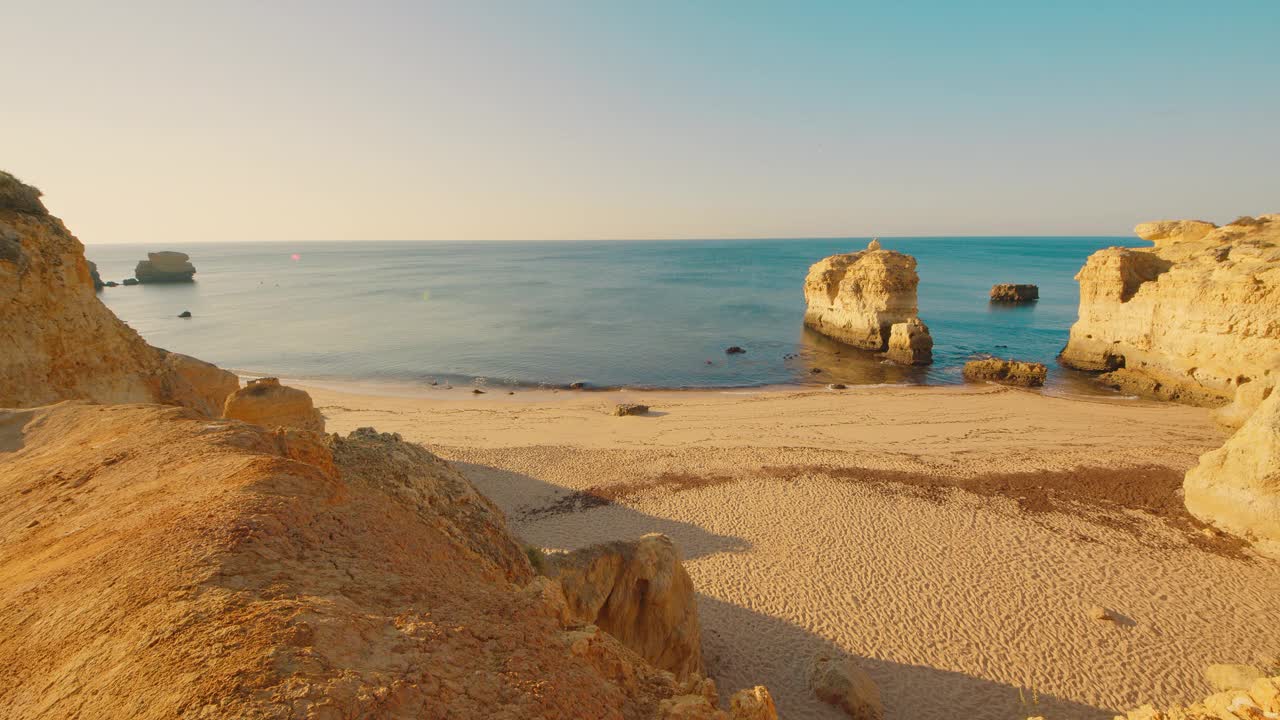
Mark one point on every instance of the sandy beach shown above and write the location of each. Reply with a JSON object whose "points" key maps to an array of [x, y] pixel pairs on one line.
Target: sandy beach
{"points": [[952, 538]]}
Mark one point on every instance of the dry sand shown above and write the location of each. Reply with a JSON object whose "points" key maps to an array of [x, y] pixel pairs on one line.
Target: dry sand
{"points": [[953, 539]]}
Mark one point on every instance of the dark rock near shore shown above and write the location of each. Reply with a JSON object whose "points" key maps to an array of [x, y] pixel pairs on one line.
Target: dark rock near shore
{"points": [[1012, 293], [165, 267], [577, 385], [97, 279], [130, 281], [734, 350]]}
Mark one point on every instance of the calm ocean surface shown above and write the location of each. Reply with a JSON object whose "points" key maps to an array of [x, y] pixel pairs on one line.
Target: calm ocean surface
{"points": [[637, 314]]}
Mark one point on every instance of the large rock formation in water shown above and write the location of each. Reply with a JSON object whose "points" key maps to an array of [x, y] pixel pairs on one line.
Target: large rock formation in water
{"points": [[858, 297], [58, 341], [1237, 486], [159, 563], [639, 593], [1196, 318], [166, 266], [267, 403]]}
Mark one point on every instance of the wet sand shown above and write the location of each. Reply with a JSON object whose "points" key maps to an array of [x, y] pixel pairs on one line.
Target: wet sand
{"points": [[952, 538]]}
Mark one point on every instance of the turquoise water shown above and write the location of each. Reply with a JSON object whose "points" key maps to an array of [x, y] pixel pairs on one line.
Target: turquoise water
{"points": [[636, 314]]}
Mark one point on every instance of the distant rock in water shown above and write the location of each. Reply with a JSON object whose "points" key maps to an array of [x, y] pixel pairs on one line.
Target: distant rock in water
{"points": [[1006, 372], [858, 297], [165, 267], [734, 350], [184, 314], [93, 275], [130, 281], [1011, 293]]}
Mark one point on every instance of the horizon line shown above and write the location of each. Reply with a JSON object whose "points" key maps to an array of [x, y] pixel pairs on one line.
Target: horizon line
{"points": [[635, 239]]}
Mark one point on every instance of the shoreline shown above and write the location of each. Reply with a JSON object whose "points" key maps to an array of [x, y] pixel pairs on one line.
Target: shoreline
{"points": [[444, 390]]}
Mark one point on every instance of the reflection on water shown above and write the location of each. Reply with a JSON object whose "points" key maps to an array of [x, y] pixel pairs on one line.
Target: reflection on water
{"points": [[836, 362]]}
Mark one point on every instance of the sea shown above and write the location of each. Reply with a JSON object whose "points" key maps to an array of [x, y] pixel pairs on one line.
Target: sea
{"points": [[634, 314]]}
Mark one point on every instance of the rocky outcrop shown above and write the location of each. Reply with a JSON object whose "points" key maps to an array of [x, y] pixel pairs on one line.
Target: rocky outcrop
{"points": [[1259, 699], [58, 341], [1192, 319], [1006, 372], [267, 403], [95, 277], [1237, 486], [638, 592], [837, 680], [165, 267], [625, 409], [1013, 293], [858, 297], [910, 343], [251, 573]]}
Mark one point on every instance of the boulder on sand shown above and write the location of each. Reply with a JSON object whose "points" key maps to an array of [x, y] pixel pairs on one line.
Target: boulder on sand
{"points": [[1237, 487], [639, 593], [165, 267], [857, 298], [624, 409], [838, 680], [267, 403], [1014, 293], [1007, 372]]}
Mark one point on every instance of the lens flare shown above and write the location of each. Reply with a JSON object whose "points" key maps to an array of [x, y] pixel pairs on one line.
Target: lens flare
{"points": [[295, 256]]}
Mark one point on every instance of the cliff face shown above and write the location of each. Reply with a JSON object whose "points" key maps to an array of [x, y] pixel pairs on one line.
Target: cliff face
{"points": [[1196, 318], [248, 573], [1237, 486], [856, 298], [58, 341]]}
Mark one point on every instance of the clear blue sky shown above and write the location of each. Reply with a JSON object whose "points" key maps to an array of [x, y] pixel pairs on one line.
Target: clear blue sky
{"points": [[528, 120]]}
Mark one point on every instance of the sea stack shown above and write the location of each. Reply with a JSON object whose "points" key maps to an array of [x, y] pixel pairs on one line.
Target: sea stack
{"points": [[1192, 319], [857, 298], [165, 267], [1014, 293]]}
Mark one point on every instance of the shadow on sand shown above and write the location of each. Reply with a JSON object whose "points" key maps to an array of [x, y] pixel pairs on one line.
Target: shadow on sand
{"points": [[743, 647], [556, 517]]}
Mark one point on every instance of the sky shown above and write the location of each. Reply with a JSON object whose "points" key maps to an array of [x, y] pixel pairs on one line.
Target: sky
{"points": [[470, 120]]}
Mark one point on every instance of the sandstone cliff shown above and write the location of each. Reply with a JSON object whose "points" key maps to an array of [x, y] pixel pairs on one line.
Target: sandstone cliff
{"points": [[267, 403], [858, 297], [58, 341], [1196, 318], [1237, 486], [155, 564]]}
